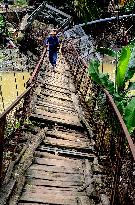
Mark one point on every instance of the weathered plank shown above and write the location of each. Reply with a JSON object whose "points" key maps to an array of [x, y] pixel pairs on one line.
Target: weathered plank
{"points": [[51, 183], [27, 203], [66, 117], [59, 163], [53, 190], [68, 135], [48, 199], [56, 101], [56, 88], [55, 156], [60, 84], [52, 118], [65, 177], [54, 169], [56, 94], [67, 144], [56, 107]]}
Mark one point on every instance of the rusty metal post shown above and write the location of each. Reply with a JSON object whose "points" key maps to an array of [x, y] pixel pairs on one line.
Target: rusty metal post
{"points": [[2, 129]]}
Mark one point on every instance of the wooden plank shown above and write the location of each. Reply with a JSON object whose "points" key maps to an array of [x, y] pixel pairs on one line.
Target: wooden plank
{"points": [[56, 88], [48, 90], [75, 143], [51, 183], [59, 163], [33, 203], [48, 199], [58, 75], [57, 80], [67, 136], [48, 105], [53, 109], [68, 144], [56, 102], [55, 169], [59, 84], [45, 118], [64, 177], [55, 190], [71, 136], [67, 118], [48, 155], [56, 94]]}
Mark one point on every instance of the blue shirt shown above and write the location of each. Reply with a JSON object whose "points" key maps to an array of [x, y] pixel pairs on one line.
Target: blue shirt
{"points": [[53, 42]]}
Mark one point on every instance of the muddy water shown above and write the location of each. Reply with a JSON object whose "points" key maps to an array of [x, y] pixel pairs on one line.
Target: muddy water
{"points": [[109, 67], [10, 88]]}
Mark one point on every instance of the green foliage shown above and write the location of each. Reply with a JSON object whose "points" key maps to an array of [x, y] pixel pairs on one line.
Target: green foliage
{"points": [[129, 115], [125, 71], [122, 69], [88, 10], [2, 23], [21, 2], [130, 71], [100, 78], [107, 51], [129, 6], [126, 64]]}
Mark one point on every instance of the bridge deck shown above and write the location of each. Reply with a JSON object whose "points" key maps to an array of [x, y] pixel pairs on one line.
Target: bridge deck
{"points": [[62, 162]]}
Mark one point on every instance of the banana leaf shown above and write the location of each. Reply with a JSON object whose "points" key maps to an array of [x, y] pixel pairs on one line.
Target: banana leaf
{"points": [[131, 66], [122, 67], [129, 115], [100, 78]]}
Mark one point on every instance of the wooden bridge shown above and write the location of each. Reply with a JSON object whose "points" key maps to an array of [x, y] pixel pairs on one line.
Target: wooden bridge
{"points": [[71, 146]]}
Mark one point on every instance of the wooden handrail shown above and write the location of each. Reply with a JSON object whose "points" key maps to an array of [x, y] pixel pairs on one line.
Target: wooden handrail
{"points": [[38, 65], [16, 102], [28, 89]]}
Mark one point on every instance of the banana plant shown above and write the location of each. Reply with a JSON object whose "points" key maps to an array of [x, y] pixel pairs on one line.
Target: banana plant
{"points": [[125, 71], [125, 67]]}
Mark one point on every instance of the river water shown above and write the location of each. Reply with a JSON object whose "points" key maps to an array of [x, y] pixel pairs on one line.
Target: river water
{"points": [[12, 85], [108, 66]]}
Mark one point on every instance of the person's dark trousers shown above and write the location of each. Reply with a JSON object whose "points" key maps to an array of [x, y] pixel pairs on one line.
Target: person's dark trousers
{"points": [[53, 57]]}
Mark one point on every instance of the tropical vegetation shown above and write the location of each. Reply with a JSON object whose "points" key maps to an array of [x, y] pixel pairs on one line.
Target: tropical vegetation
{"points": [[119, 89]]}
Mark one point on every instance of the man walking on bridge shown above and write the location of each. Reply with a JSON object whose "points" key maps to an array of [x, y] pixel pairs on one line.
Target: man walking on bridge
{"points": [[53, 43]]}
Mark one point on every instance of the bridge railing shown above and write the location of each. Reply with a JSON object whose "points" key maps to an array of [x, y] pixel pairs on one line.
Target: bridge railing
{"points": [[12, 119], [113, 143]]}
